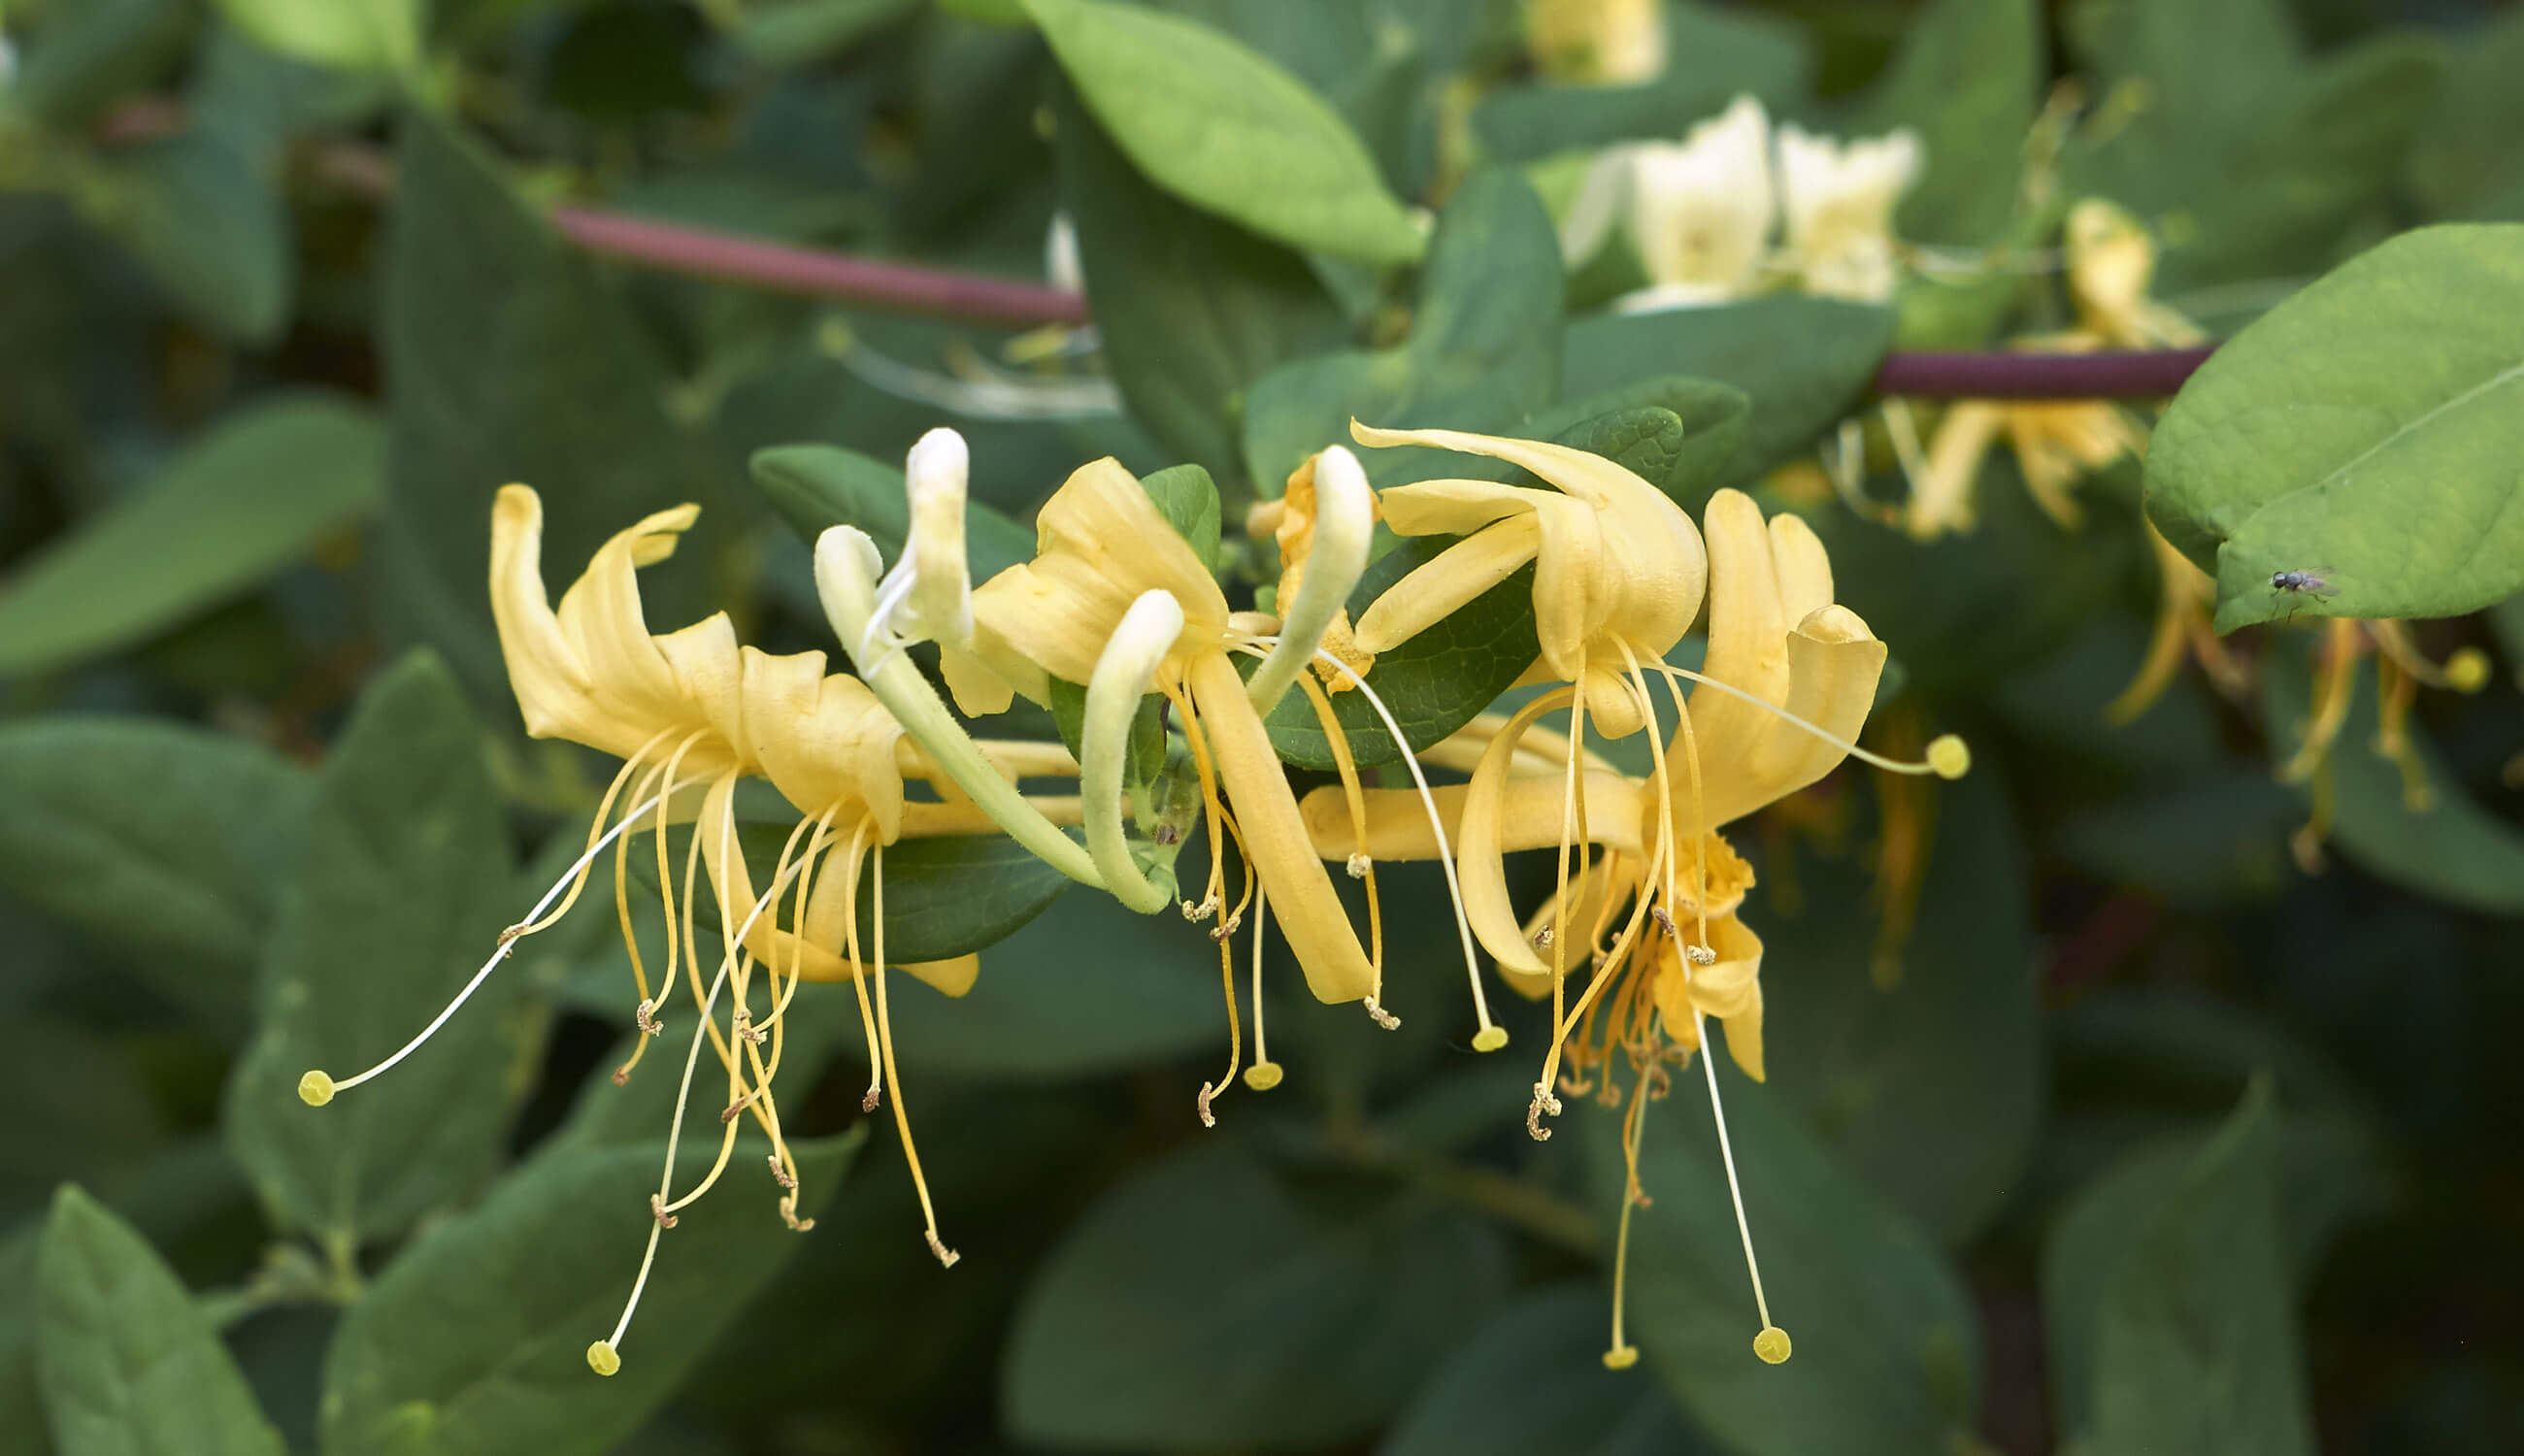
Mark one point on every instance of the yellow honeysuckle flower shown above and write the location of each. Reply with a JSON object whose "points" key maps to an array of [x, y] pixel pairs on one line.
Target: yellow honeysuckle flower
{"points": [[690, 713], [1606, 43], [2401, 671], [1788, 681]]}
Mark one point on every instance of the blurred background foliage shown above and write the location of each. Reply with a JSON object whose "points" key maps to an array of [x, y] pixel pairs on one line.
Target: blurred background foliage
{"points": [[2096, 1121]]}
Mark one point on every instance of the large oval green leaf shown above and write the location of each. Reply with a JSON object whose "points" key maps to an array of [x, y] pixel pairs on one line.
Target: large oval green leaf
{"points": [[2366, 433], [1227, 130]]}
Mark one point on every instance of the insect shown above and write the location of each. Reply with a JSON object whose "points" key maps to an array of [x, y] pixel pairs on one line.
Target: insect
{"points": [[2301, 584]]}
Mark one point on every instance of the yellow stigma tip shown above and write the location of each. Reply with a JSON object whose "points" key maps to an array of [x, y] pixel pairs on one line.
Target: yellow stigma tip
{"points": [[602, 1359], [2467, 670], [1262, 1076], [1950, 757], [1489, 1039], [1772, 1344], [314, 1088], [1621, 1357]]}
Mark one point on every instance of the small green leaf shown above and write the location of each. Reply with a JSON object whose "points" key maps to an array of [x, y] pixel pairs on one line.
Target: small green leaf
{"points": [[2180, 1263], [2364, 432], [206, 221], [944, 896], [1432, 684], [1227, 130], [1803, 362], [1138, 1335], [1534, 1380], [129, 1366], [401, 894], [815, 487], [1483, 351], [1192, 309], [255, 493], [475, 1338], [351, 34], [1188, 499], [510, 360], [1965, 81], [169, 845], [1887, 1353], [2452, 850]]}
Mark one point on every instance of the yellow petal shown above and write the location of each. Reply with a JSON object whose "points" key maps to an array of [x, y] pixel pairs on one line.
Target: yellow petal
{"points": [[1457, 508], [1275, 834], [1941, 499], [551, 682], [1748, 641], [1439, 588], [1101, 543], [600, 617], [709, 671]]}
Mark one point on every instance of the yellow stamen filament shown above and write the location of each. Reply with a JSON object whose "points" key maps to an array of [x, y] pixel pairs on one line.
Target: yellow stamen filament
{"points": [[893, 1080], [2333, 685]]}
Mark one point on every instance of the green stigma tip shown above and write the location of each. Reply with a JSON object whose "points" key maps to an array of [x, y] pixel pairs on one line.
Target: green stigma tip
{"points": [[1621, 1357], [602, 1359], [1950, 757], [314, 1088], [1262, 1076], [2467, 670], [1489, 1039], [1772, 1344]]}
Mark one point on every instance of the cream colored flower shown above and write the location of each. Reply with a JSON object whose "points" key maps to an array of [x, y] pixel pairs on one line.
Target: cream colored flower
{"points": [[1838, 199], [1698, 211]]}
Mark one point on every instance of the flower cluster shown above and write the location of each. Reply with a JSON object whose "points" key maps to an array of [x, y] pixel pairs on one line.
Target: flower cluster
{"points": [[1639, 944]]}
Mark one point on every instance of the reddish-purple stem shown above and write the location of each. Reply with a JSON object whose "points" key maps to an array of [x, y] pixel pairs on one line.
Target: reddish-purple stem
{"points": [[2135, 374]]}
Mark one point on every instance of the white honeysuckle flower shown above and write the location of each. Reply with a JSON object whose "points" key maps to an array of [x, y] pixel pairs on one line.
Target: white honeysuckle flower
{"points": [[1838, 198], [1698, 211], [1060, 265], [928, 596]]}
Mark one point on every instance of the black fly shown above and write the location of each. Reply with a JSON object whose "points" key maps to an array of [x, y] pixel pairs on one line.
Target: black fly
{"points": [[2301, 584]]}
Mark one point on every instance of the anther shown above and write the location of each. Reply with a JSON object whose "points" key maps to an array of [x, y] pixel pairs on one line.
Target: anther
{"points": [[621, 1076], [947, 1257], [743, 1025], [728, 1113], [1167, 834], [789, 1215], [1358, 866], [868, 1101], [1208, 1119], [779, 1174], [1543, 939], [657, 1211], [646, 1018], [1544, 1105], [1208, 907], [511, 936], [1381, 1017], [1700, 955], [1665, 921]]}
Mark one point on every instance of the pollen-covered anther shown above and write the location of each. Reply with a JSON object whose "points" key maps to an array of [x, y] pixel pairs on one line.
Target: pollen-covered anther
{"points": [[1545, 1104], [1227, 927], [657, 1211], [745, 1027], [512, 935], [1700, 955], [1665, 921], [779, 1174], [728, 1113], [1359, 864], [1208, 1119], [1208, 907], [789, 1215], [947, 1257], [646, 1018], [1543, 939], [868, 1100], [1381, 1017]]}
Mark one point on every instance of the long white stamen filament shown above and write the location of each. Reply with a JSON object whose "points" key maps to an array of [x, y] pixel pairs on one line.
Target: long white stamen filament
{"points": [[612, 1344], [1491, 1036], [1124, 673], [1345, 523], [1762, 1343], [507, 943], [845, 561]]}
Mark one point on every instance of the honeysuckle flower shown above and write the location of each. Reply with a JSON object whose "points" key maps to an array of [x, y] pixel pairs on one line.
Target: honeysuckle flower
{"points": [[1839, 200], [2184, 623], [1698, 211], [1603, 42], [2401, 671], [928, 596], [1650, 909], [2112, 266], [692, 712]]}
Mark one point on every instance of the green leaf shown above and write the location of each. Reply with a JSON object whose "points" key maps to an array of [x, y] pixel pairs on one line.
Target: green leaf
{"points": [[1188, 499], [352, 35], [91, 55], [1227, 131], [815, 487], [1534, 1380], [22, 1396], [800, 32], [1192, 309], [168, 845], [1921, 1062], [508, 360], [1714, 55], [1887, 1353], [1136, 1335], [1432, 684], [257, 492], [475, 1339], [943, 898], [2179, 1264], [402, 891], [1803, 362], [2363, 432], [1678, 434], [1964, 80], [2453, 851], [1483, 351], [198, 213], [129, 1366]]}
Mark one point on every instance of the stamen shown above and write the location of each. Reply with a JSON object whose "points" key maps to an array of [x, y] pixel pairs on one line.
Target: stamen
{"points": [[1381, 1017], [316, 1088], [1209, 1091], [1771, 1344], [893, 1080], [1491, 1036]]}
